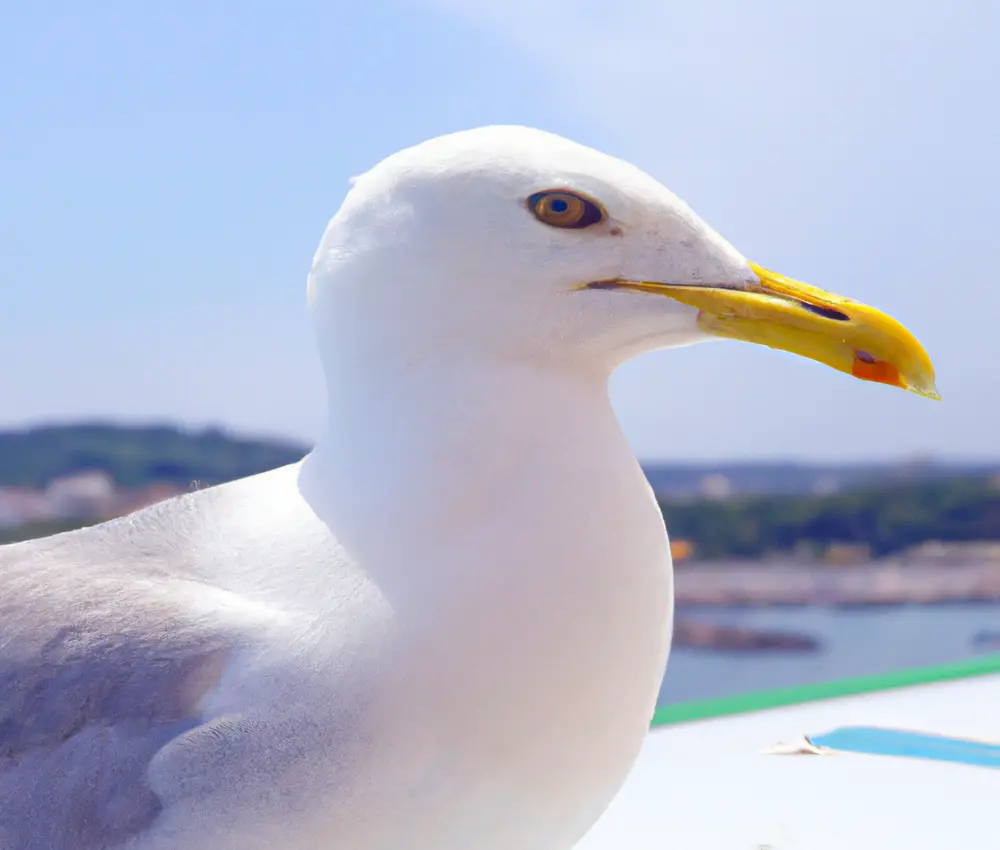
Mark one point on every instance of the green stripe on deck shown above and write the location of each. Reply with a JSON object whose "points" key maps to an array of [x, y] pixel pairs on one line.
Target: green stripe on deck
{"points": [[686, 712]]}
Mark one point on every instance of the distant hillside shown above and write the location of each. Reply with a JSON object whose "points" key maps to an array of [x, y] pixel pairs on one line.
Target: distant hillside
{"points": [[136, 456]]}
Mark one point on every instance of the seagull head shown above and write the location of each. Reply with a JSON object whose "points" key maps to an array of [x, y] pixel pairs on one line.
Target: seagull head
{"points": [[510, 242]]}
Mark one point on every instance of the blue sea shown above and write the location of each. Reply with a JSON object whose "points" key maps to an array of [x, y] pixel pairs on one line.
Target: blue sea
{"points": [[855, 642]]}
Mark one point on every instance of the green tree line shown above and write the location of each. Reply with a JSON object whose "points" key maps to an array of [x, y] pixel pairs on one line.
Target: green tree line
{"points": [[136, 456], [886, 517]]}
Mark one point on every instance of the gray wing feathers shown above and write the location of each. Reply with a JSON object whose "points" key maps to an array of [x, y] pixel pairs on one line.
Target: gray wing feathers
{"points": [[97, 674]]}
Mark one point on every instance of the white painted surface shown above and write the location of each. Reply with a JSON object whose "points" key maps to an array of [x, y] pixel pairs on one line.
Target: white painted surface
{"points": [[707, 785]]}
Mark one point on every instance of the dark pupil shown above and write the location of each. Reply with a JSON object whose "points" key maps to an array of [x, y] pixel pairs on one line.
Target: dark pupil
{"points": [[559, 206]]}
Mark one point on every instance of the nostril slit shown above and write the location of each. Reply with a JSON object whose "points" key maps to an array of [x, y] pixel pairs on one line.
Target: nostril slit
{"points": [[864, 357], [825, 312]]}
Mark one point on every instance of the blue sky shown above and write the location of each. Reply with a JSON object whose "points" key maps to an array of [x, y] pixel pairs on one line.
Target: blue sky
{"points": [[166, 171]]}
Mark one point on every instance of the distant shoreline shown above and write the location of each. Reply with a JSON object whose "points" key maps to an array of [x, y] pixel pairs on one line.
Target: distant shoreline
{"points": [[879, 583]]}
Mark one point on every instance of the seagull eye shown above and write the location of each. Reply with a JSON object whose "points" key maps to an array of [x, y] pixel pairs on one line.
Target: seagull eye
{"points": [[567, 210]]}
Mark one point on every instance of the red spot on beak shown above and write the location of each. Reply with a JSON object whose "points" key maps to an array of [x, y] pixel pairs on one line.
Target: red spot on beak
{"points": [[868, 368]]}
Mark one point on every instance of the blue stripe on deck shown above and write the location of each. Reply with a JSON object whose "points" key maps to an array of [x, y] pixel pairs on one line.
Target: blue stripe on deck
{"points": [[896, 742]]}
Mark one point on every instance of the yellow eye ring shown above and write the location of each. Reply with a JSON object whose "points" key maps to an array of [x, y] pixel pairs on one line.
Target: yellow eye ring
{"points": [[567, 210]]}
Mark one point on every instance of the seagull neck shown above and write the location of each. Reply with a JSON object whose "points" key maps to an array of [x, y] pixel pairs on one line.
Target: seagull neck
{"points": [[400, 423], [439, 449]]}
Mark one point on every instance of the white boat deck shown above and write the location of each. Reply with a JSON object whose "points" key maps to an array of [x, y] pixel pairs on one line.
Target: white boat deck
{"points": [[708, 785]]}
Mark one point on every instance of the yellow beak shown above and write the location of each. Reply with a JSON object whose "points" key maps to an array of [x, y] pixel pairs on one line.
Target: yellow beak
{"points": [[783, 313]]}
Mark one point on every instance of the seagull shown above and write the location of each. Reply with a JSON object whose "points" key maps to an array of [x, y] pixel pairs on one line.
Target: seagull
{"points": [[446, 627]]}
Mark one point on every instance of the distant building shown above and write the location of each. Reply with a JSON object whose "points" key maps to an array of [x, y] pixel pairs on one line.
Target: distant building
{"points": [[825, 485], [83, 495], [20, 505], [847, 554], [937, 553], [715, 486]]}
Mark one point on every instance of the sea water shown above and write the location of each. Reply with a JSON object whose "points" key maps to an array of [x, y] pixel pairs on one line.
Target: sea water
{"points": [[854, 642]]}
